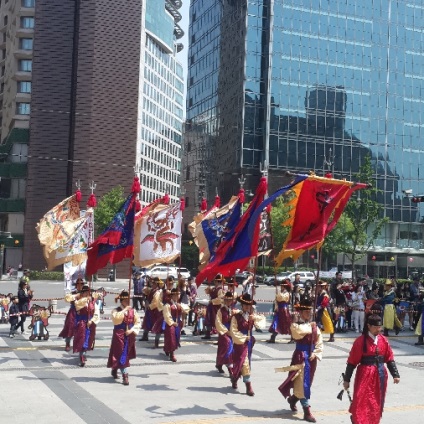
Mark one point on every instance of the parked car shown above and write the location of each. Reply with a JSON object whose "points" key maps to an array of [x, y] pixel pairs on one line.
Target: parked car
{"points": [[305, 277], [270, 280], [162, 271], [184, 272]]}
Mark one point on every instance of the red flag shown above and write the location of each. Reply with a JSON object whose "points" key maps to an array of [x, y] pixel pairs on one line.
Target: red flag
{"points": [[318, 206]]}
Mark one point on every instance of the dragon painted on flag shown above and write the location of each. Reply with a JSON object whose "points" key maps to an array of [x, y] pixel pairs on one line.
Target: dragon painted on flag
{"points": [[157, 235]]}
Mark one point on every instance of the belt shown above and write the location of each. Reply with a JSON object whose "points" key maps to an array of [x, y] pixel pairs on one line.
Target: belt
{"points": [[372, 360]]}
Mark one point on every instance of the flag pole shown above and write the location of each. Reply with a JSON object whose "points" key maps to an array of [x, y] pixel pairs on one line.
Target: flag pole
{"points": [[92, 204], [136, 193]]}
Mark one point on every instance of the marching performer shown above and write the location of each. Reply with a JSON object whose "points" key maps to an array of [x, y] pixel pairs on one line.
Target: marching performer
{"points": [[153, 305], [69, 326], [370, 352], [172, 315], [225, 344], [241, 327], [216, 295], [159, 326], [86, 318], [324, 310], [390, 319], [282, 319], [419, 329], [126, 324], [304, 360]]}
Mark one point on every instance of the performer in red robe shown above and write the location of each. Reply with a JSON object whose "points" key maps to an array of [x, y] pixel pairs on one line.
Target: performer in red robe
{"points": [[159, 326], [69, 326], [216, 295], [282, 319], [153, 305], [172, 315], [225, 344], [304, 360], [86, 318], [370, 352], [241, 327], [126, 326]]}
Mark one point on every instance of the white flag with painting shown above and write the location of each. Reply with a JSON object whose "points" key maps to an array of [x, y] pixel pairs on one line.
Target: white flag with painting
{"points": [[157, 236]]}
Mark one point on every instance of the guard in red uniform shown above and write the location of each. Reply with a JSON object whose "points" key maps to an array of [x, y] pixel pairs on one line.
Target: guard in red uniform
{"points": [[86, 319], [304, 360], [370, 352], [241, 327], [224, 354], [126, 325], [172, 315], [282, 319], [216, 295], [69, 326]]}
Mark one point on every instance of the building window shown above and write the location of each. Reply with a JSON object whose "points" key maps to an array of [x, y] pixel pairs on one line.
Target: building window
{"points": [[27, 22], [28, 3], [24, 87], [5, 20], [23, 108], [25, 65], [26, 43]]}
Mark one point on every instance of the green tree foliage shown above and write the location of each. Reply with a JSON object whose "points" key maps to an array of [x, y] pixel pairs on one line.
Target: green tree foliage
{"points": [[107, 207], [190, 256], [279, 214], [364, 214]]}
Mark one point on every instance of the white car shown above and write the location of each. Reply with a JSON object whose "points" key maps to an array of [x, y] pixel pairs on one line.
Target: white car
{"points": [[184, 272], [305, 276], [162, 271]]}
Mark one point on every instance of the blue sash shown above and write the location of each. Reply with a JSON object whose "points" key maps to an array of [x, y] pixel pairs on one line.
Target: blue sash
{"points": [[306, 349], [124, 355]]}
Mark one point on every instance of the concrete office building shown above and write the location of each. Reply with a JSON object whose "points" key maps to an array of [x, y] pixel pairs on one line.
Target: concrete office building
{"points": [[106, 94], [311, 85]]}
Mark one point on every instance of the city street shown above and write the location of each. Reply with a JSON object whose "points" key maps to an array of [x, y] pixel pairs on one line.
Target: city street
{"points": [[40, 382]]}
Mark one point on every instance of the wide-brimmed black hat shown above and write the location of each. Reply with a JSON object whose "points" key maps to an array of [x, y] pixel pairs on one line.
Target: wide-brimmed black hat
{"points": [[219, 277], [123, 295], [246, 299], [85, 288], [374, 319], [78, 279], [229, 295], [304, 305]]}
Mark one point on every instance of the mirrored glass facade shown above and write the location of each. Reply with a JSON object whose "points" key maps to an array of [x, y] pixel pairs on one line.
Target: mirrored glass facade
{"points": [[313, 85]]}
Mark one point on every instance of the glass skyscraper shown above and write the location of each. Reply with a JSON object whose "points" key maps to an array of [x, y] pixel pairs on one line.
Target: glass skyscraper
{"points": [[161, 100], [311, 85]]}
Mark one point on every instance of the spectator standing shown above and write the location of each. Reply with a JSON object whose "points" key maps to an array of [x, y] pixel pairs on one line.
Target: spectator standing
{"points": [[192, 298], [138, 284]]}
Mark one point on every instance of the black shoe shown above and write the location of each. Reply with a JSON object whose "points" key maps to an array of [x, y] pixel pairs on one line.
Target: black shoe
{"points": [[183, 333], [143, 339], [219, 368], [207, 337]]}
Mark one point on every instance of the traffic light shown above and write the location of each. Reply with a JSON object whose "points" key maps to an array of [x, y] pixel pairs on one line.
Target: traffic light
{"points": [[417, 199]]}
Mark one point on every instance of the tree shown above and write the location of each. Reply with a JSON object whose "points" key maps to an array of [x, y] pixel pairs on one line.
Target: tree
{"points": [[365, 215], [107, 207], [335, 242], [279, 214]]}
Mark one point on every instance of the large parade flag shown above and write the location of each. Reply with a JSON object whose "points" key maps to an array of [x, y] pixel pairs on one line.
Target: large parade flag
{"points": [[210, 228], [316, 205], [117, 240], [59, 229], [74, 250], [158, 235], [239, 245]]}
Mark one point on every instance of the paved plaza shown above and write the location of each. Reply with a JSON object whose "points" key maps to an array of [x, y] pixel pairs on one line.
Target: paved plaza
{"points": [[40, 382]]}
